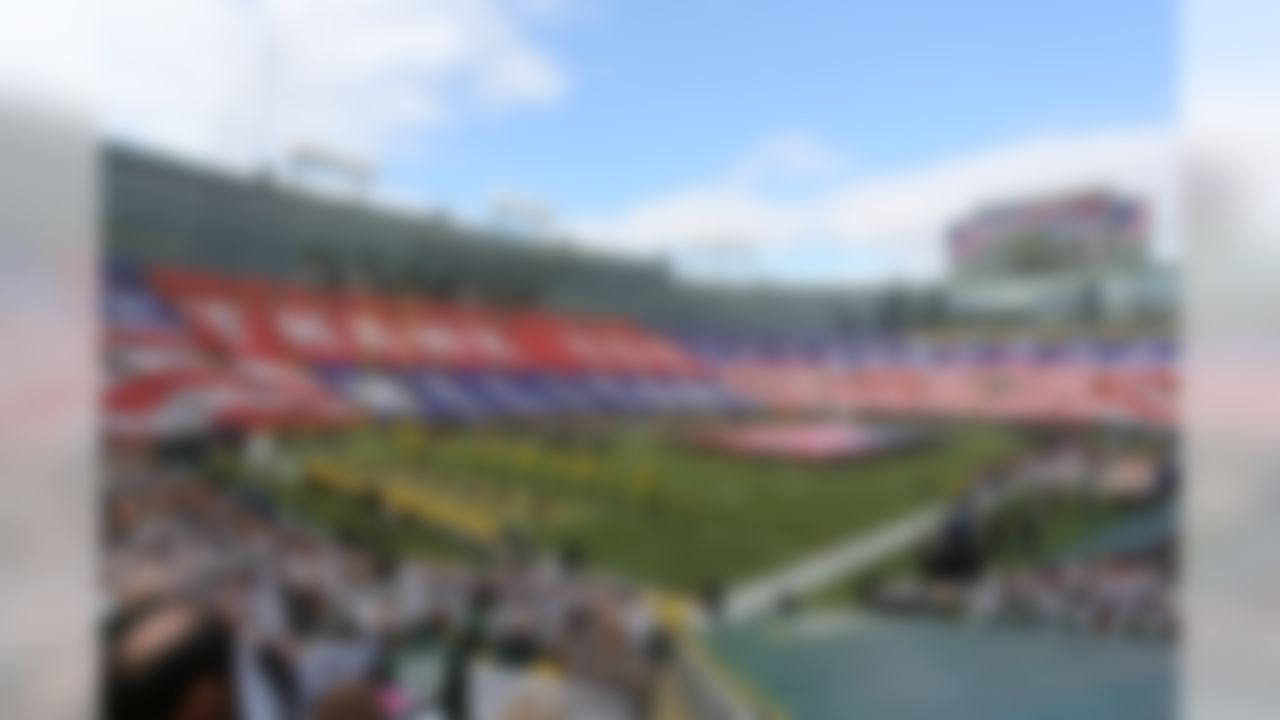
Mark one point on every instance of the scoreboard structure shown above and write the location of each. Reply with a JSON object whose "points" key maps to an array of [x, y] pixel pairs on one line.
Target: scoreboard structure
{"points": [[1086, 233]]}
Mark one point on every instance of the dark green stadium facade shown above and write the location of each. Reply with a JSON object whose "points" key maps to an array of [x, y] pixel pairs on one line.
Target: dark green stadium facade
{"points": [[160, 210]]}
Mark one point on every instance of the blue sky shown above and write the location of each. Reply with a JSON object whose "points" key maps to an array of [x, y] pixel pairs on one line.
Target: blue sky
{"points": [[663, 94], [798, 140]]}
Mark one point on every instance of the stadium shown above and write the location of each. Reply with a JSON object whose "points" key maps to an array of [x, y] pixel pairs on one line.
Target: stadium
{"points": [[476, 472]]}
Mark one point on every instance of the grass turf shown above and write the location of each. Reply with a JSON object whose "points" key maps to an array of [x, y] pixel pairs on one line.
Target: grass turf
{"points": [[1061, 523], [638, 503]]}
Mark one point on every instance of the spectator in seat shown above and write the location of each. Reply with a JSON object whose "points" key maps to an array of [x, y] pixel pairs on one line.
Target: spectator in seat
{"points": [[169, 660]]}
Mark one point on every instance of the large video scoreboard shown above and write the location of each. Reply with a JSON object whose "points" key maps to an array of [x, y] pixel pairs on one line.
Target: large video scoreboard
{"points": [[1085, 232]]}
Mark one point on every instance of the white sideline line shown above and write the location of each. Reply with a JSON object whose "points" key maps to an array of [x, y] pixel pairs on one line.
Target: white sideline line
{"points": [[761, 595]]}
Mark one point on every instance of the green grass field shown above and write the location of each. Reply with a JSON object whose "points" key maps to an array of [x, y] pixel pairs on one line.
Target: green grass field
{"points": [[1062, 522], [638, 503]]}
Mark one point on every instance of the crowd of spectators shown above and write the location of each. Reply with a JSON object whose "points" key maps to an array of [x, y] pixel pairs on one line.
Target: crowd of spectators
{"points": [[1121, 596], [1127, 592], [1131, 596], [219, 604]]}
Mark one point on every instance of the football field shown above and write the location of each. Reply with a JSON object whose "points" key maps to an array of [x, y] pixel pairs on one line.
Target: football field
{"points": [[632, 500]]}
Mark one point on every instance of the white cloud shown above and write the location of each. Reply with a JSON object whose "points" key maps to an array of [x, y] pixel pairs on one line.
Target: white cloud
{"points": [[44, 54], [897, 221], [786, 157], [242, 82]]}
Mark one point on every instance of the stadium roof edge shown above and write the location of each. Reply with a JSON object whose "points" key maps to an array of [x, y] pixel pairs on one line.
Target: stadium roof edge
{"points": [[369, 205]]}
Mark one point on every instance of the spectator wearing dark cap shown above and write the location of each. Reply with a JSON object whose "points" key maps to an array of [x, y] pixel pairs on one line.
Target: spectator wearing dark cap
{"points": [[169, 660]]}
